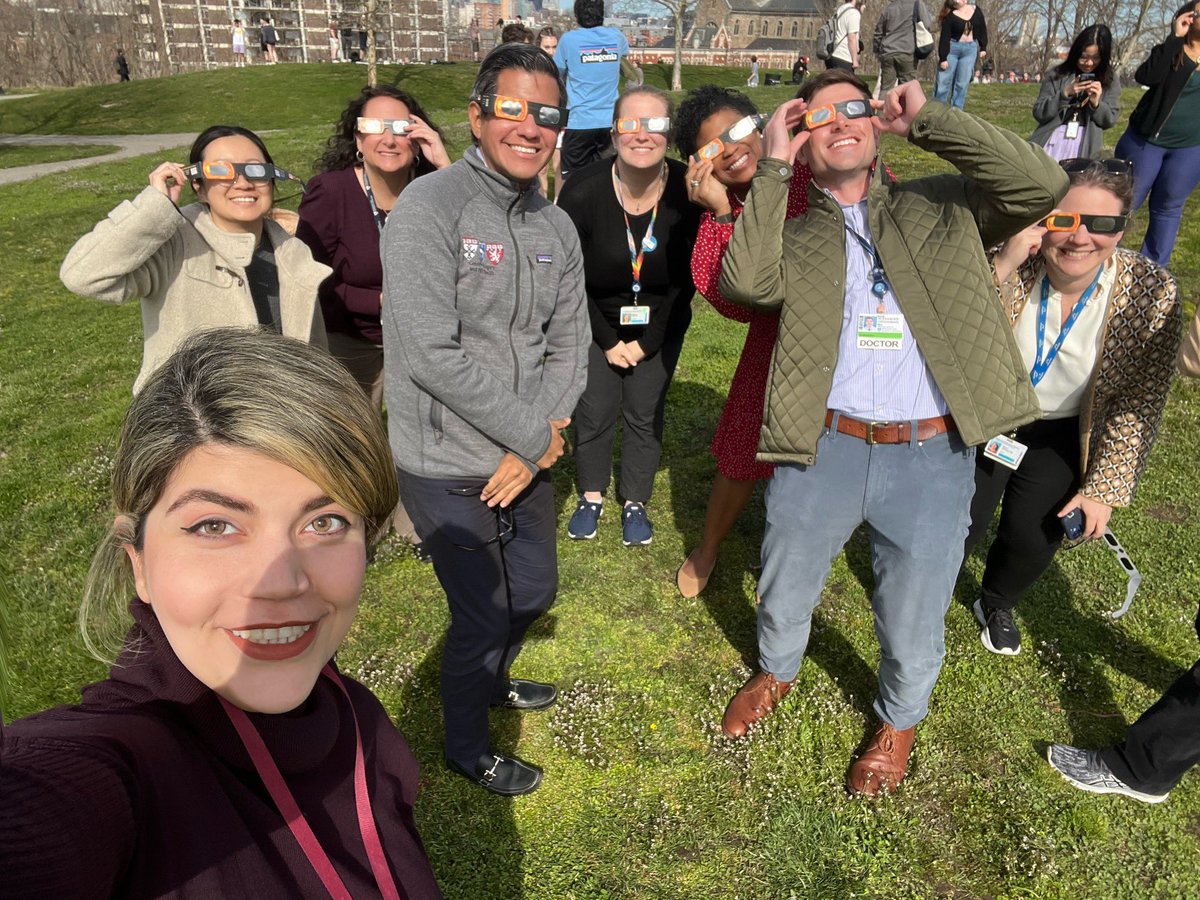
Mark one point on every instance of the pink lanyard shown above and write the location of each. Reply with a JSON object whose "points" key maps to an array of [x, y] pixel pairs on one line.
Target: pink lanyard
{"points": [[288, 808]]}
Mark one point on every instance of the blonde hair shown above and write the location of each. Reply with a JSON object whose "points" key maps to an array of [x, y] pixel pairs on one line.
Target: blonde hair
{"points": [[256, 390]]}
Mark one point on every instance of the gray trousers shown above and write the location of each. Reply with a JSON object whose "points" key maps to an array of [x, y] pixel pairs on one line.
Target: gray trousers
{"points": [[894, 69], [916, 499]]}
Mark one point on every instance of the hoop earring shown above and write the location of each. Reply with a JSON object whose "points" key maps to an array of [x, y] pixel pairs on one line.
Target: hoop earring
{"points": [[358, 155]]}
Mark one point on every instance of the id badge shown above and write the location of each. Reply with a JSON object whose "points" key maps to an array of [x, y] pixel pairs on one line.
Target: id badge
{"points": [[880, 331], [635, 315], [1072, 129], [1005, 450]]}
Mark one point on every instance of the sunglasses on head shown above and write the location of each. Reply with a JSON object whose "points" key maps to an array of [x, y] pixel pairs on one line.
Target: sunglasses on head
{"points": [[819, 116], [223, 170], [739, 130], [1070, 222], [1079, 164], [371, 125], [517, 110], [651, 125]]}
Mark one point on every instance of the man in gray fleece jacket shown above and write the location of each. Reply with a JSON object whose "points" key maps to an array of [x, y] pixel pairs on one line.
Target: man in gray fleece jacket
{"points": [[485, 335]]}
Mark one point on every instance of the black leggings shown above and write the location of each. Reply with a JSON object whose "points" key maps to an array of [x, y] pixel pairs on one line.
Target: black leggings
{"points": [[1030, 532]]}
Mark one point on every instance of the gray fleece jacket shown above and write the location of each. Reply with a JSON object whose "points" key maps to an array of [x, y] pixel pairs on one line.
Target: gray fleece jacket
{"points": [[485, 323]]}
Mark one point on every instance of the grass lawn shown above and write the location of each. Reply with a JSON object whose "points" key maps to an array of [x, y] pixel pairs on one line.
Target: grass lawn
{"points": [[642, 797], [13, 155]]}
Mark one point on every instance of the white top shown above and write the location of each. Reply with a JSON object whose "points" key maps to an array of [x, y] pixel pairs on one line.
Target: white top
{"points": [[1065, 383], [848, 22]]}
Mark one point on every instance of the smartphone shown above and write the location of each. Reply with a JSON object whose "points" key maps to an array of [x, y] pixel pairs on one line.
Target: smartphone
{"points": [[1085, 76], [1072, 524]]}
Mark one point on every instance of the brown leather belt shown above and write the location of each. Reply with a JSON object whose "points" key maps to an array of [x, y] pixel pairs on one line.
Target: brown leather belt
{"points": [[891, 432]]}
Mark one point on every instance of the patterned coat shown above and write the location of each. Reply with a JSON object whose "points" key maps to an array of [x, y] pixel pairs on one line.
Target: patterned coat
{"points": [[1124, 404]]}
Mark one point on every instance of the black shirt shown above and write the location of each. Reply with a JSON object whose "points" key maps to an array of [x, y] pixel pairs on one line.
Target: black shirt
{"points": [[589, 199]]}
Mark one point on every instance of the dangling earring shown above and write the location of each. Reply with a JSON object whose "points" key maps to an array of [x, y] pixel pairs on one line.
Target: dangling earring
{"points": [[358, 155]]}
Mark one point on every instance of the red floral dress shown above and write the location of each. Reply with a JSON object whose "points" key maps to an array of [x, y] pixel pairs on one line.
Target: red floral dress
{"points": [[736, 440]]}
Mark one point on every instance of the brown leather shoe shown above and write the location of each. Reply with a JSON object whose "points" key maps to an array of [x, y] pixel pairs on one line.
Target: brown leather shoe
{"points": [[754, 701], [882, 766]]}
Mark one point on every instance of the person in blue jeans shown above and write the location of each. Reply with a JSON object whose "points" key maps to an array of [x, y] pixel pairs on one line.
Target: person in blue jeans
{"points": [[1163, 137], [962, 41]]}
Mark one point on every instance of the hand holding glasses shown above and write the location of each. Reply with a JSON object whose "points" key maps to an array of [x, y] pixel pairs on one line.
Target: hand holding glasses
{"points": [[517, 110]]}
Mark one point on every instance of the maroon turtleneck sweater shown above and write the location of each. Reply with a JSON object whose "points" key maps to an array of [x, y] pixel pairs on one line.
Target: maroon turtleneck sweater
{"points": [[145, 790]]}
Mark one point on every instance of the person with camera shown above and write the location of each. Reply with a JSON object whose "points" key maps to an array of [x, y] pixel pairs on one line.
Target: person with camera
{"points": [[1163, 137], [1098, 329], [1079, 98]]}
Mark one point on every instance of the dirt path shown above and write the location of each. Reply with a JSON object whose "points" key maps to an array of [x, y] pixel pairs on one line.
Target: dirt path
{"points": [[130, 144]]}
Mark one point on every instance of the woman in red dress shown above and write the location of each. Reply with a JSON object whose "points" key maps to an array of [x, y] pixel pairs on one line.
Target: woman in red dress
{"points": [[717, 131]]}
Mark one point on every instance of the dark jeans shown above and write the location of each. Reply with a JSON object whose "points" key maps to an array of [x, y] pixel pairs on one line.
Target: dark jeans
{"points": [[1164, 743], [1029, 533], [639, 395], [1168, 176], [499, 570], [581, 147], [832, 63]]}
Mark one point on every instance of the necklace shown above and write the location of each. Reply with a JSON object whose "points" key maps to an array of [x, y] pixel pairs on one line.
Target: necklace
{"points": [[626, 201]]}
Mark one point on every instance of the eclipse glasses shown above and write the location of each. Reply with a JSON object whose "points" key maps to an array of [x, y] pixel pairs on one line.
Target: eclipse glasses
{"points": [[223, 170], [651, 125], [820, 116], [517, 110], [372, 125], [739, 130], [1069, 222]]}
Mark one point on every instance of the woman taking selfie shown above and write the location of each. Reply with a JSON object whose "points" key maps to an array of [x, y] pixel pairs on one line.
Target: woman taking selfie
{"points": [[1098, 327], [1079, 98], [382, 142], [636, 229], [220, 261], [718, 133], [250, 484], [1163, 137]]}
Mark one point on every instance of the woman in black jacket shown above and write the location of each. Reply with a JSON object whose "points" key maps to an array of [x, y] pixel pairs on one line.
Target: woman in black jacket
{"points": [[1163, 137]]}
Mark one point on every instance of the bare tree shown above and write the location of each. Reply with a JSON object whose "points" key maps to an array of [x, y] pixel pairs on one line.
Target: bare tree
{"points": [[679, 9]]}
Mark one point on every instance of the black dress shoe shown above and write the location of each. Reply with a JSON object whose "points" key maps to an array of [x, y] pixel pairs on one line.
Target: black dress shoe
{"points": [[507, 776], [528, 695]]}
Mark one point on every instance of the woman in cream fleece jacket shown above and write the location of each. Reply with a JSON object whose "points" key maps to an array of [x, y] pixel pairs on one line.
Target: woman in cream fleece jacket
{"points": [[215, 263]]}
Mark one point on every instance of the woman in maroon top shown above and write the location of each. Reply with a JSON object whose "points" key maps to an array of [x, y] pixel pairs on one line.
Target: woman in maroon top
{"points": [[717, 133], [250, 484], [382, 142]]}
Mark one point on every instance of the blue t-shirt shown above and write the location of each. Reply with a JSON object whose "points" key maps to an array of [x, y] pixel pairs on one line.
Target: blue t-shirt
{"points": [[590, 58]]}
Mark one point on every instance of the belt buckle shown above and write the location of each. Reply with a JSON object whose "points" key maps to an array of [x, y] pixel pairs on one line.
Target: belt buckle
{"points": [[870, 438]]}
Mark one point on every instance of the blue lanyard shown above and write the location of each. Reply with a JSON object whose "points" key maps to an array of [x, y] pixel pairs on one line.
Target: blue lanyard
{"points": [[380, 217], [1040, 365], [879, 283]]}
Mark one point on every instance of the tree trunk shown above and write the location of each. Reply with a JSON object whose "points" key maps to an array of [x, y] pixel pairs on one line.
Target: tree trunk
{"points": [[372, 14], [677, 68]]}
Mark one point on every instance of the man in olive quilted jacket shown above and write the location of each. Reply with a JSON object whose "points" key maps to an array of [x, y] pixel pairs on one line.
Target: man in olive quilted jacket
{"points": [[894, 358]]}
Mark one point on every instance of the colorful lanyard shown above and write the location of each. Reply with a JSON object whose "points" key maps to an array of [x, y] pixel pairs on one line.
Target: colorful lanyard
{"points": [[1040, 365], [290, 810], [380, 217], [649, 243], [879, 285]]}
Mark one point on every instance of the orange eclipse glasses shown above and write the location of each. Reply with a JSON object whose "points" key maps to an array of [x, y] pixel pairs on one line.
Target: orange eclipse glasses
{"points": [[372, 125], [517, 110], [820, 116], [1068, 222], [224, 170], [739, 130], [651, 125]]}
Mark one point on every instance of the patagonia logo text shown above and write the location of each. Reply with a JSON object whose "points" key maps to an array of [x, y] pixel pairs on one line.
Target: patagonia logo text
{"points": [[598, 55], [544, 259]]}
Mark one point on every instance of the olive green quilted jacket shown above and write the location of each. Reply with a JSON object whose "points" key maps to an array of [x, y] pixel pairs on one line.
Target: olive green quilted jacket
{"points": [[931, 233]]}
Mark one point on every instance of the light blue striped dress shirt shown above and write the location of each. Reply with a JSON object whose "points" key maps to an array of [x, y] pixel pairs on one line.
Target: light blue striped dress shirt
{"points": [[877, 385]]}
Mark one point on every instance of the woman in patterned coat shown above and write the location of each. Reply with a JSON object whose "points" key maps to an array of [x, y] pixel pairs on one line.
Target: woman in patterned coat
{"points": [[1099, 328]]}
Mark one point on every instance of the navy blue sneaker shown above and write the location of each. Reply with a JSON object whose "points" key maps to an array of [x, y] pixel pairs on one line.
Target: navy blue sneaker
{"points": [[636, 529], [582, 526]]}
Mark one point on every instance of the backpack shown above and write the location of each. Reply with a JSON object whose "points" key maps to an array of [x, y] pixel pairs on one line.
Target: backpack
{"points": [[827, 34]]}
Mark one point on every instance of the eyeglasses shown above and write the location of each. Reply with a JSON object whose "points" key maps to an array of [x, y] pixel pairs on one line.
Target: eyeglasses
{"points": [[1070, 222], [820, 116], [372, 125], [504, 518], [517, 110], [652, 125], [739, 130], [1078, 164], [223, 170], [1132, 575]]}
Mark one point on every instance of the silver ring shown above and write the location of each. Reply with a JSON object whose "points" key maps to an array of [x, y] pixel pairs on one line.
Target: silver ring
{"points": [[695, 184]]}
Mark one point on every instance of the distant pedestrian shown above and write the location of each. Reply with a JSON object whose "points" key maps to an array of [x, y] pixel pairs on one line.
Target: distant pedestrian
{"points": [[962, 41], [268, 39], [237, 43], [895, 41], [473, 32], [752, 81], [335, 43], [846, 44], [122, 66]]}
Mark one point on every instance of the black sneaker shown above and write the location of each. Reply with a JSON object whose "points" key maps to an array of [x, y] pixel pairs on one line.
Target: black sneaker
{"points": [[999, 633], [507, 776], [528, 695], [1087, 771]]}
